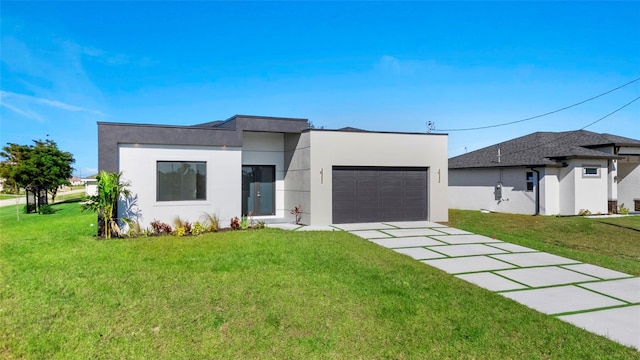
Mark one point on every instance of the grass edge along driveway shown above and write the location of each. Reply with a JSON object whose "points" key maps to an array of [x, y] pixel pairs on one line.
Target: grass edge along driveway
{"points": [[251, 294], [613, 243]]}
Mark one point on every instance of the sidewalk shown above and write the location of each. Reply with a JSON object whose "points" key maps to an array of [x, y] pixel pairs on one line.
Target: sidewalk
{"points": [[22, 198], [599, 300]]}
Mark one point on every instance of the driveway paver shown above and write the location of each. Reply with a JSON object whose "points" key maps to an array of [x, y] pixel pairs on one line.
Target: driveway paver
{"points": [[626, 289], [468, 264], [415, 241], [534, 259], [412, 232], [453, 231], [415, 224], [419, 253], [370, 234], [491, 281], [562, 299], [596, 271], [467, 250], [600, 300], [363, 226], [512, 247], [465, 239], [611, 323], [545, 276]]}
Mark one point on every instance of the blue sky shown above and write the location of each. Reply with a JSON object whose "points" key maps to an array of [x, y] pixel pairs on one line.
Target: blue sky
{"points": [[385, 66]]}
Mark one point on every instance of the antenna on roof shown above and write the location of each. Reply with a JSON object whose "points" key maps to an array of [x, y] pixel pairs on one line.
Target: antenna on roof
{"points": [[498, 155], [431, 126]]}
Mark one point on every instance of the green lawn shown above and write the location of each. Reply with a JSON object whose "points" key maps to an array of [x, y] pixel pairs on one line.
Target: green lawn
{"points": [[610, 242], [263, 294]]}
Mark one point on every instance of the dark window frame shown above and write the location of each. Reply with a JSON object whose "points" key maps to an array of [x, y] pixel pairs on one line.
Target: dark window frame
{"points": [[169, 195], [591, 171], [530, 181]]}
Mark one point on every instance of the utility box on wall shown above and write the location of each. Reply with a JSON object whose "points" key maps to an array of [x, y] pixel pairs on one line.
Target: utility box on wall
{"points": [[498, 192]]}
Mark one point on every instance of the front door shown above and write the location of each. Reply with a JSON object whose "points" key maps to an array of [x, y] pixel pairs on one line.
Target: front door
{"points": [[258, 189]]}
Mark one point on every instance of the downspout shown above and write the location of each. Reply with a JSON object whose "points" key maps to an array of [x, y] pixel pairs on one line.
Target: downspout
{"points": [[537, 191]]}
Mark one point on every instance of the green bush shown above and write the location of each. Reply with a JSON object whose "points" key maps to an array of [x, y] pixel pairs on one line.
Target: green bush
{"points": [[47, 209], [584, 212], [623, 210], [197, 229]]}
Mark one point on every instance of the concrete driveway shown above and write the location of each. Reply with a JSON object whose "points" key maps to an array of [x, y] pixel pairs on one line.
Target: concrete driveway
{"points": [[599, 300]]}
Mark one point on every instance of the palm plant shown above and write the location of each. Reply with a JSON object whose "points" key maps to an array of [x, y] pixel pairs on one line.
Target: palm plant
{"points": [[110, 189]]}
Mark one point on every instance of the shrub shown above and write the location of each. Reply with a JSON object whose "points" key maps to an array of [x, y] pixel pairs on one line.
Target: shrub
{"points": [[260, 225], [211, 222], [134, 229], [623, 210], [46, 209], [235, 223], [182, 228], [244, 223], [584, 212], [297, 213], [110, 188], [160, 228], [197, 228]]}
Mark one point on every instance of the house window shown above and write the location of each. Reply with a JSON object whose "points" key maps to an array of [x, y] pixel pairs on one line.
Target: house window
{"points": [[181, 180], [529, 180], [590, 171]]}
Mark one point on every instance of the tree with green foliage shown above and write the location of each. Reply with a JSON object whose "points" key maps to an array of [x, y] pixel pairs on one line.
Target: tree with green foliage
{"points": [[41, 166], [110, 189]]}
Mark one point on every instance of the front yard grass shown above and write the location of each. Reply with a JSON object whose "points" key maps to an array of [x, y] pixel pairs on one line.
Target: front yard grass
{"points": [[267, 294], [613, 243]]}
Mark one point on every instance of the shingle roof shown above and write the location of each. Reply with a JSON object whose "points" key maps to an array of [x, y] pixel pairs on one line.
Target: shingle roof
{"points": [[541, 149]]}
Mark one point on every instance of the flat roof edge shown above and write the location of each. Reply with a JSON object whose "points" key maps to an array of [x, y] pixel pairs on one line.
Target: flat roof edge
{"points": [[374, 132], [164, 126]]}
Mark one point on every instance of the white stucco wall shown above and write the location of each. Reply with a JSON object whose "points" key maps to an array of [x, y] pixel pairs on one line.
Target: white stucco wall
{"points": [[331, 148], [261, 148], [549, 191], [224, 180], [474, 189], [581, 192], [628, 181]]}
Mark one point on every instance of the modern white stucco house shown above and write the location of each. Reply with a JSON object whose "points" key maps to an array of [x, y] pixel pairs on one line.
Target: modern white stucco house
{"points": [[549, 173], [267, 166]]}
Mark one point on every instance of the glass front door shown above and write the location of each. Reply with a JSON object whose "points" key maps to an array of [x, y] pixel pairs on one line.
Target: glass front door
{"points": [[258, 189]]}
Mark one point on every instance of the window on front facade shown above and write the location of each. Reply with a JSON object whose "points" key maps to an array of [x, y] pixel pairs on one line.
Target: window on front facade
{"points": [[590, 171], [529, 180], [181, 180]]}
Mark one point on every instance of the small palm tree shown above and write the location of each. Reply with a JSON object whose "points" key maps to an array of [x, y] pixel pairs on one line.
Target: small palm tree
{"points": [[110, 189]]}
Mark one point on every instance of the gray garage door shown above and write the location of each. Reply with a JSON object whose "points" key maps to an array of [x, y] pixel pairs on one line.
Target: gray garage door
{"points": [[370, 194]]}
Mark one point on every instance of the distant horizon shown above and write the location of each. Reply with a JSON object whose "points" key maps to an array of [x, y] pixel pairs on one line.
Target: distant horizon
{"points": [[378, 66]]}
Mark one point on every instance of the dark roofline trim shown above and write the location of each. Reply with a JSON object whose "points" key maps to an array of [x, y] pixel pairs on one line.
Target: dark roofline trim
{"points": [[558, 165], [373, 132], [605, 156], [196, 127]]}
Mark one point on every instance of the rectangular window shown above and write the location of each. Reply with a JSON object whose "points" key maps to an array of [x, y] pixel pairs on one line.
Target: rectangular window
{"points": [[181, 180], [590, 171], [529, 180]]}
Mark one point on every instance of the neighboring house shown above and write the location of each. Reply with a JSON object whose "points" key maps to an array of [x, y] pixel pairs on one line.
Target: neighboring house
{"points": [[74, 180], [549, 173], [266, 166]]}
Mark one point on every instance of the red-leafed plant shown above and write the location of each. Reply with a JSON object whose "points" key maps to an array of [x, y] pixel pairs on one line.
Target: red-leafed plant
{"points": [[297, 213]]}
